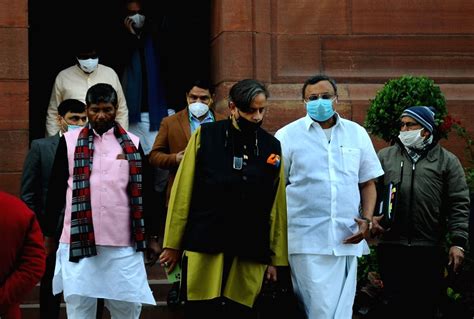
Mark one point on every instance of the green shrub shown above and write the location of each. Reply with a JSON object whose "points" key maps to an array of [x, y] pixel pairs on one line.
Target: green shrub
{"points": [[366, 264], [396, 95]]}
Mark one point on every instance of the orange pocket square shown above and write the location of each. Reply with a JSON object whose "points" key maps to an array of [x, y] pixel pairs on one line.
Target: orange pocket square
{"points": [[274, 159]]}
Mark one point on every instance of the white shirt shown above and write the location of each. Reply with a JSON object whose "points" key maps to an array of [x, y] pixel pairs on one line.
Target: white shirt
{"points": [[322, 189], [73, 83]]}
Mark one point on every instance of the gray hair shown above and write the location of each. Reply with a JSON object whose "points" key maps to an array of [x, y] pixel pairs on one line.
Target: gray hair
{"points": [[244, 92]]}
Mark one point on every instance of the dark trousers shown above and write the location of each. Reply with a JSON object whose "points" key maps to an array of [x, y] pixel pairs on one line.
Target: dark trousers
{"points": [[413, 280], [49, 304]]}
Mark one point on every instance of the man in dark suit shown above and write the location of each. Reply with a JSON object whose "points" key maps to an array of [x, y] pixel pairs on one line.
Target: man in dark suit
{"points": [[175, 130], [34, 187]]}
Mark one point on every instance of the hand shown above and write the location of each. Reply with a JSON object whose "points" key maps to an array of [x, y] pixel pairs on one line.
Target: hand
{"points": [[152, 251], [179, 157], [50, 245], [377, 229], [271, 273], [129, 25], [363, 232], [456, 258], [169, 258]]}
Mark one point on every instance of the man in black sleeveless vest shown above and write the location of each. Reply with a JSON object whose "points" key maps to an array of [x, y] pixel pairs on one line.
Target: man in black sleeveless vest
{"points": [[227, 210]]}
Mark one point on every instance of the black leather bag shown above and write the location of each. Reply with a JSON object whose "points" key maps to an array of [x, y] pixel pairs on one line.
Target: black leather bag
{"points": [[277, 299]]}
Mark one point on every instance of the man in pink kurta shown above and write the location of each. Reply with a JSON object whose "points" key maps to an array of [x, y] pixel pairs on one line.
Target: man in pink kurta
{"points": [[99, 182]]}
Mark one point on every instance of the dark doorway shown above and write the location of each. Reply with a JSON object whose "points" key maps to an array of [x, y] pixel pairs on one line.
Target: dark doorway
{"points": [[54, 26]]}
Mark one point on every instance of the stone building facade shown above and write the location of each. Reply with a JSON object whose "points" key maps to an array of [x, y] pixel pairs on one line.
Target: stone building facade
{"points": [[360, 43]]}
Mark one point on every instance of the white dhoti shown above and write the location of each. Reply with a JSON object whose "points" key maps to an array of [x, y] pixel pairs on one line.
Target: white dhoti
{"points": [[116, 273], [325, 284]]}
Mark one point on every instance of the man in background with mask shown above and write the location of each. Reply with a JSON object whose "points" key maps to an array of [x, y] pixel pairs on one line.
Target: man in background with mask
{"points": [[141, 79], [73, 83], [432, 202], [175, 131], [34, 188], [330, 166], [142, 84]]}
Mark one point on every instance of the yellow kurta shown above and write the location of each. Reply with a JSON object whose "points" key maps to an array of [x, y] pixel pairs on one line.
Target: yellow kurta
{"points": [[205, 271]]}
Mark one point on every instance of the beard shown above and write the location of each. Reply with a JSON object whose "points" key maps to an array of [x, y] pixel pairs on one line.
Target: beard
{"points": [[102, 126]]}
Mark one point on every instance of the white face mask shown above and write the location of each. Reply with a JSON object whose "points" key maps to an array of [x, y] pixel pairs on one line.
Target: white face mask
{"points": [[412, 139], [138, 19], [89, 65], [198, 109]]}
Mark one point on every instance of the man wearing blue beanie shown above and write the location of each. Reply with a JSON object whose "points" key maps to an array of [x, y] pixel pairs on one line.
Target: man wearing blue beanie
{"points": [[430, 200], [424, 115]]}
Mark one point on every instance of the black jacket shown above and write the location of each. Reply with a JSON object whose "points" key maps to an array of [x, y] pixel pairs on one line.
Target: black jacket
{"points": [[433, 197]]}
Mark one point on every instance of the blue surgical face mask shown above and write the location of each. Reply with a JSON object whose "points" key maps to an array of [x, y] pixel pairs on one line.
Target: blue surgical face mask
{"points": [[71, 127], [320, 110]]}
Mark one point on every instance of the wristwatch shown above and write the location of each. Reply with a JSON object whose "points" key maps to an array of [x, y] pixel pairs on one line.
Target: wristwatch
{"points": [[369, 222]]}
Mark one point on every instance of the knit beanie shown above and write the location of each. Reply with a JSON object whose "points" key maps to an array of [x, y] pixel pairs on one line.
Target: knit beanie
{"points": [[424, 115]]}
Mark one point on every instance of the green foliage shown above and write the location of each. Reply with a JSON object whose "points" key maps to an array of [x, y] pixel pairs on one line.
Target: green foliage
{"points": [[452, 294], [396, 95], [366, 264]]}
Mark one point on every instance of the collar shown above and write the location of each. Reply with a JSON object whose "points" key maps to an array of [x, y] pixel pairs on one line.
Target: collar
{"points": [[432, 154]]}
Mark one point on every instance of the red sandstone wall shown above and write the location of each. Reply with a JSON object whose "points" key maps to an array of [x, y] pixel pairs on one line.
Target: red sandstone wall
{"points": [[13, 92], [360, 43]]}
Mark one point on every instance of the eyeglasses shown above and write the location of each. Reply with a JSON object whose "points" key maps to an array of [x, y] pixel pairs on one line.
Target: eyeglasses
{"points": [[408, 124], [324, 96]]}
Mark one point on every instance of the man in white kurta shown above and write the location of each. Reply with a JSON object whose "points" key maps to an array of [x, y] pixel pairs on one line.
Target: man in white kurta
{"points": [[330, 166], [73, 83]]}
